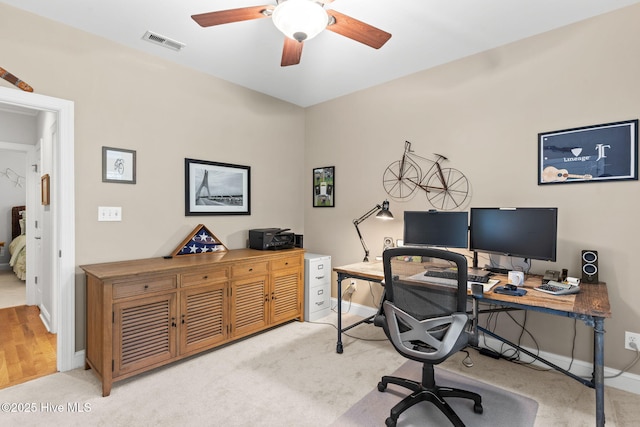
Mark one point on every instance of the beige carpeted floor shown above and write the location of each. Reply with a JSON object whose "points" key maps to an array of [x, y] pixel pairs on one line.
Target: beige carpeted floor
{"points": [[288, 376], [12, 290]]}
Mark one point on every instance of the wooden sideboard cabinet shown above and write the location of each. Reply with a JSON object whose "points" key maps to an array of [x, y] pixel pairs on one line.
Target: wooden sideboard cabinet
{"points": [[146, 313]]}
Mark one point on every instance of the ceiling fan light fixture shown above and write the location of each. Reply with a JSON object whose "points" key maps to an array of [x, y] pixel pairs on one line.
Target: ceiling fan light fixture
{"points": [[300, 19]]}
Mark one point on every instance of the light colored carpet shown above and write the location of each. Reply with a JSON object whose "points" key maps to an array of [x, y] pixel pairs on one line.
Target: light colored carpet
{"points": [[288, 376], [501, 408], [12, 290]]}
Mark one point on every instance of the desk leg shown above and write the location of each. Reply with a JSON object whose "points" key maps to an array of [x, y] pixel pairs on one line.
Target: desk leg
{"points": [[598, 368], [339, 348]]}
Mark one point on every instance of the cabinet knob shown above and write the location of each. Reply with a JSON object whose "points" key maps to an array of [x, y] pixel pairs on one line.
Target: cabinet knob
{"points": [[251, 269], [205, 277], [173, 322], [146, 286]]}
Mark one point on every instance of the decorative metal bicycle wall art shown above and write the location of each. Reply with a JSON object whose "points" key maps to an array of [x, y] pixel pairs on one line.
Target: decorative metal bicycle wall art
{"points": [[445, 188]]}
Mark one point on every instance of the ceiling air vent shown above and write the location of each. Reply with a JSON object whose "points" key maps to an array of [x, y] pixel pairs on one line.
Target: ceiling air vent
{"points": [[163, 41]]}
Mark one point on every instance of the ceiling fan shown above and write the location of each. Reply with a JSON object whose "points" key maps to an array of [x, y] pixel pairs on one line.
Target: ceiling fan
{"points": [[299, 20], [4, 74]]}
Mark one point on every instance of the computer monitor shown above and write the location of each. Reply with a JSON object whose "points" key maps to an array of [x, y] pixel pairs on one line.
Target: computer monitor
{"points": [[529, 233], [434, 228]]}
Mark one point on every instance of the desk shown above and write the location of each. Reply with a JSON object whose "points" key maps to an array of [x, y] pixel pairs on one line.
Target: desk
{"points": [[591, 306]]}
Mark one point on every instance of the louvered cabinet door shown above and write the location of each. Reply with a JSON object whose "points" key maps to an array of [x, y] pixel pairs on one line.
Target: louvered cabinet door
{"points": [[287, 295], [144, 333], [202, 317], [249, 304]]}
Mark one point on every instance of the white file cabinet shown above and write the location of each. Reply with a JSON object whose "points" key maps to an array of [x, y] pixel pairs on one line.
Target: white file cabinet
{"points": [[317, 286]]}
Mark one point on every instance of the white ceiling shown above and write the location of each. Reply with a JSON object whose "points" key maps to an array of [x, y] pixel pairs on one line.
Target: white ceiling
{"points": [[425, 33]]}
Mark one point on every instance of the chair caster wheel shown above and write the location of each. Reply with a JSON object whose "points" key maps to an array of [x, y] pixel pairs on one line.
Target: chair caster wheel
{"points": [[381, 386], [390, 422], [477, 408]]}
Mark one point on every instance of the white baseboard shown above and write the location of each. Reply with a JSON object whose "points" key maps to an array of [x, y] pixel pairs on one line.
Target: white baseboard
{"points": [[627, 382], [44, 316], [354, 308], [78, 359]]}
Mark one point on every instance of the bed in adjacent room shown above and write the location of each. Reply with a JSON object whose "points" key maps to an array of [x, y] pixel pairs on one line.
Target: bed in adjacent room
{"points": [[18, 245]]}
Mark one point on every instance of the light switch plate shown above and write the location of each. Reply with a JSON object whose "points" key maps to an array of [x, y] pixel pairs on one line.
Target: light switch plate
{"points": [[109, 213]]}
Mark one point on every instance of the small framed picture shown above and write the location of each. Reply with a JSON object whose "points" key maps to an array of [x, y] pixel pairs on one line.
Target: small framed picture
{"points": [[324, 190], [593, 153], [118, 165], [213, 188], [45, 190]]}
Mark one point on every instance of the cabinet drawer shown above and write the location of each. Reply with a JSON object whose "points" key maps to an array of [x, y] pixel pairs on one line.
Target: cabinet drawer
{"points": [[209, 276], [318, 272], [319, 298], [249, 268], [141, 286], [288, 262]]}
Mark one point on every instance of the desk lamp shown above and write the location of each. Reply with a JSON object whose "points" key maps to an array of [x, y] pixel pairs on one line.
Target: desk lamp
{"points": [[382, 214]]}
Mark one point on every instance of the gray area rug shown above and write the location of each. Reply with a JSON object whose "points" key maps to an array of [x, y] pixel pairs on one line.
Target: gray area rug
{"points": [[501, 408]]}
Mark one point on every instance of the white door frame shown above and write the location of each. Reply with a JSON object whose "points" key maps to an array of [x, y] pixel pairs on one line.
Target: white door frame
{"points": [[63, 245]]}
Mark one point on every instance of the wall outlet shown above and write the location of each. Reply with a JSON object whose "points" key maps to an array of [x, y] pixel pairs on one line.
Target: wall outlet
{"points": [[351, 288], [630, 337]]}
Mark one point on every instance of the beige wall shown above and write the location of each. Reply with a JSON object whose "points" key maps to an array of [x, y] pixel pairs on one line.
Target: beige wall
{"points": [[167, 113], [484, 112]]}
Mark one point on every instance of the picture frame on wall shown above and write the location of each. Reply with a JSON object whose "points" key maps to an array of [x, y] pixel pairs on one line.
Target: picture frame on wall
{"points": [[213, 188], [45, 190], [118, 165], [602, 152], [324, 189]]}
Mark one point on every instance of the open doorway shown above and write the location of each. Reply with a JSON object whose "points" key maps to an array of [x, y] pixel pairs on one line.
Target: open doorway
{"points": [[18, 141], [59, 240], [13, 198], [27, 343]]}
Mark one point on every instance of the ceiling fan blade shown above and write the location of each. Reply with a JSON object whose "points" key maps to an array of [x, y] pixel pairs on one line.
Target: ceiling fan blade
{"points": [[291, 52], [232, 15], [358, 30], [4, 74]]}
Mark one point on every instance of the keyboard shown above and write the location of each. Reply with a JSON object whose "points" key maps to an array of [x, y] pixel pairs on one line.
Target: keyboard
{"points": [[453, 274], [557, 288]]}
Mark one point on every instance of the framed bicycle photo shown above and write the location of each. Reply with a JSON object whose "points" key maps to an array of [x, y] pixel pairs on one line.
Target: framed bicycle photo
{"points": [[118, 165], [213, 188], [593, 153], [324, 190]]}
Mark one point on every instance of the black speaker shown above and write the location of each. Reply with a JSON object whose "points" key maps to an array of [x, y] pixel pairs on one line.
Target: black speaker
{"points": [[589, 266]]}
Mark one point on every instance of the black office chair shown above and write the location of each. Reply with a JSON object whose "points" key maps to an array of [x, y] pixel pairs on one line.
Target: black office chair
{"points": [[425, 318]]}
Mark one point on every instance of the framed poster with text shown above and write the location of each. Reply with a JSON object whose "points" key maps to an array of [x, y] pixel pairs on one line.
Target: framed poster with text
{"points": [[587, 154]]}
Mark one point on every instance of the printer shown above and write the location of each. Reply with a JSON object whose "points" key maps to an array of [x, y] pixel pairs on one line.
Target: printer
{"points": [[271, 238]]}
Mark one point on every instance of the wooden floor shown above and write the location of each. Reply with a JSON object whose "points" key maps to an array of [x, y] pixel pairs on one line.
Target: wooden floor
{"points": [[27, 350]]}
